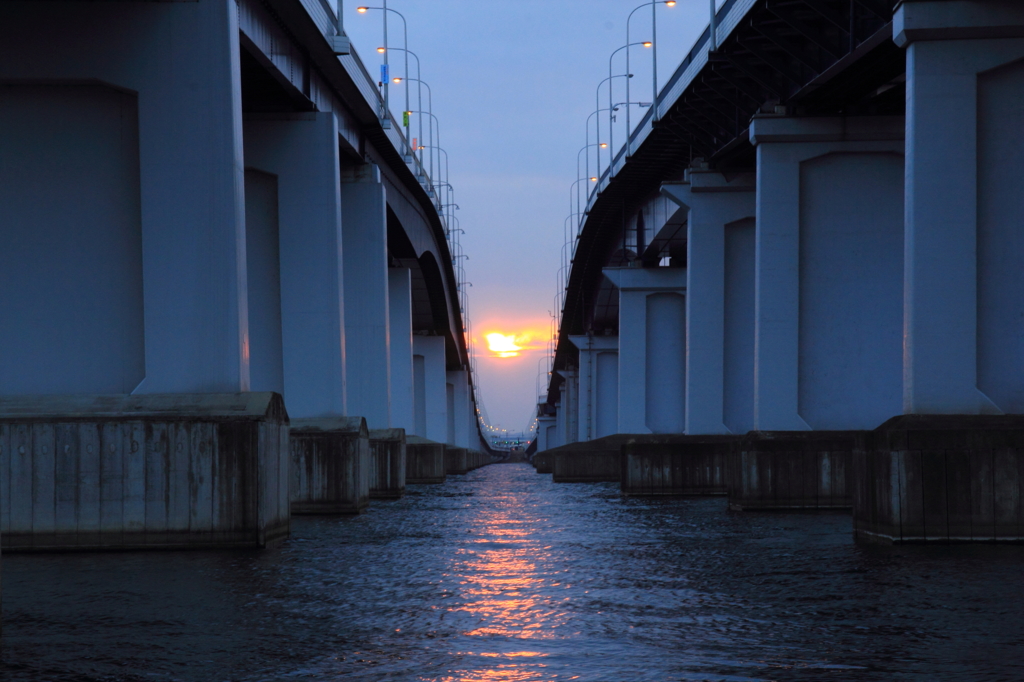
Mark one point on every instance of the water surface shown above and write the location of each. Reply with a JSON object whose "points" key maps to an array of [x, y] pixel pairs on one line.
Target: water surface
{"points": [[502, 575]]}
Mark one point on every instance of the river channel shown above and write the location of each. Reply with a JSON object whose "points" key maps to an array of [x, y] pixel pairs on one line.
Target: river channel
{"points": [[502, 575]]}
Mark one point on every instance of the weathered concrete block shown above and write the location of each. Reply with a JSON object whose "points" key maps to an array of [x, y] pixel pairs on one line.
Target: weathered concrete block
{"points": [[792, 469], [676, 465], [543, 462], [88, 472], [589, 461], [330, 465], [941, 478], [387, 463], [456, 460], [479, 459], [424, 460]]}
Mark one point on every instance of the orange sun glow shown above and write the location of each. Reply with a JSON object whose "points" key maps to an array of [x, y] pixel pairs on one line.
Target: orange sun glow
{"points": [[503, 345]]}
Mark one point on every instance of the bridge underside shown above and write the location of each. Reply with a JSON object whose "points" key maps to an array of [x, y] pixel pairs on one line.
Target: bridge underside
{"points": [[807, 256]]}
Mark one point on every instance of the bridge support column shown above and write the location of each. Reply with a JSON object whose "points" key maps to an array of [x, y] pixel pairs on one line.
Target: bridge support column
{"points": [[365, 246], [123, 271], [720, 222], [828, 272], [431, 387], [828, 323], [403, 399], [598, 386], [952, 468], [459, 381], [569, 412], [652, 349], [299, 157]]}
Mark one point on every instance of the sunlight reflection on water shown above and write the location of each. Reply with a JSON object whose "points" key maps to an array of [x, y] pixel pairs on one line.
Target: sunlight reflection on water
{"points": [[503, 576]]}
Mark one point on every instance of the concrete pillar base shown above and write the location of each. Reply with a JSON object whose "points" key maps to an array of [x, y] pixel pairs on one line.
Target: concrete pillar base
{"points": [[591, 461], [941, 479], [174, 471], [676, 465], [387, 464], [543, 462], [330, 465], [456, 460], [424, 460], [792, 470], [476, 459]]}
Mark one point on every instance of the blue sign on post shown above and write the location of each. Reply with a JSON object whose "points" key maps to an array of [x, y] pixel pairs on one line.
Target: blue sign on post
{"points": [[383, 73]]}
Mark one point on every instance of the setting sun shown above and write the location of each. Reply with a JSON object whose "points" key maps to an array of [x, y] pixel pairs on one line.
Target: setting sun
{"points": [[504, 346]]}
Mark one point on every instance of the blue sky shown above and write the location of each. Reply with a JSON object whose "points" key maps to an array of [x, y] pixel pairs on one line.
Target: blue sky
{"points": [[513, 84]]}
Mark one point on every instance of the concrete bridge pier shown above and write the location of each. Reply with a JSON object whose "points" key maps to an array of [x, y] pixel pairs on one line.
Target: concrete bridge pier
{"points": [[951, 469], [117, 281], [652, 349], [403, 388], [598, 392], [297, 326], [829, 295], [367, 324], [425, 461], [718, 375]]}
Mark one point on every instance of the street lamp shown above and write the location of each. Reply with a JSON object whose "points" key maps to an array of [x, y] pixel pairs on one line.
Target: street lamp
{"points": [[419, 89], [611, 139], [437, 127], [405, 38], [601, 145], [654, 38], [597, 101]]}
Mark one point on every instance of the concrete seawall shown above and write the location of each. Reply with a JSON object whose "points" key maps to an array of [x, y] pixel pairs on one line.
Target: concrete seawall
{"points": [[153, 471]]}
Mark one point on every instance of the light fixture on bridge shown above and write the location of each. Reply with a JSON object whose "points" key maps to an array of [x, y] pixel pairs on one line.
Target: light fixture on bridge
{"points": [[647, 43], [396, 79], [362, 10], [603, 145], [382, 50], [670, 3], [593, 179]]}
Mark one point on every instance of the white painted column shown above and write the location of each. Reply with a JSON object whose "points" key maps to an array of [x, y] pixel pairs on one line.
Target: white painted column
{"points": [[595, 374], [964, 86], [435, 393], [856, 149], [365, 238], [403, 399], [459, 381], [652, 341], [570, 406], [301, 151], [187, 201], [544, 430], [713, 203]]}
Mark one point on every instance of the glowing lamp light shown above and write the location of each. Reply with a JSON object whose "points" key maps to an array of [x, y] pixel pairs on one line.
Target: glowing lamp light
{"points": [[670, 3], [604, 145], [397, 79], [647, 43], [382, 50], [594, 179], [362, 10]]}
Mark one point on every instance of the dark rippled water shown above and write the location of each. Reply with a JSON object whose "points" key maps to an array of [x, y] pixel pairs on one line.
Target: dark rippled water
{"points": [[503, 576]]}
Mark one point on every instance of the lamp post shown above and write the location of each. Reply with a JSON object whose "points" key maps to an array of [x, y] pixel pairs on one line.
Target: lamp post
{"points": [[597, 102], [654, 36], [405, 33], [611, 139], [585, 147], [419, 91], [436, 127]]}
